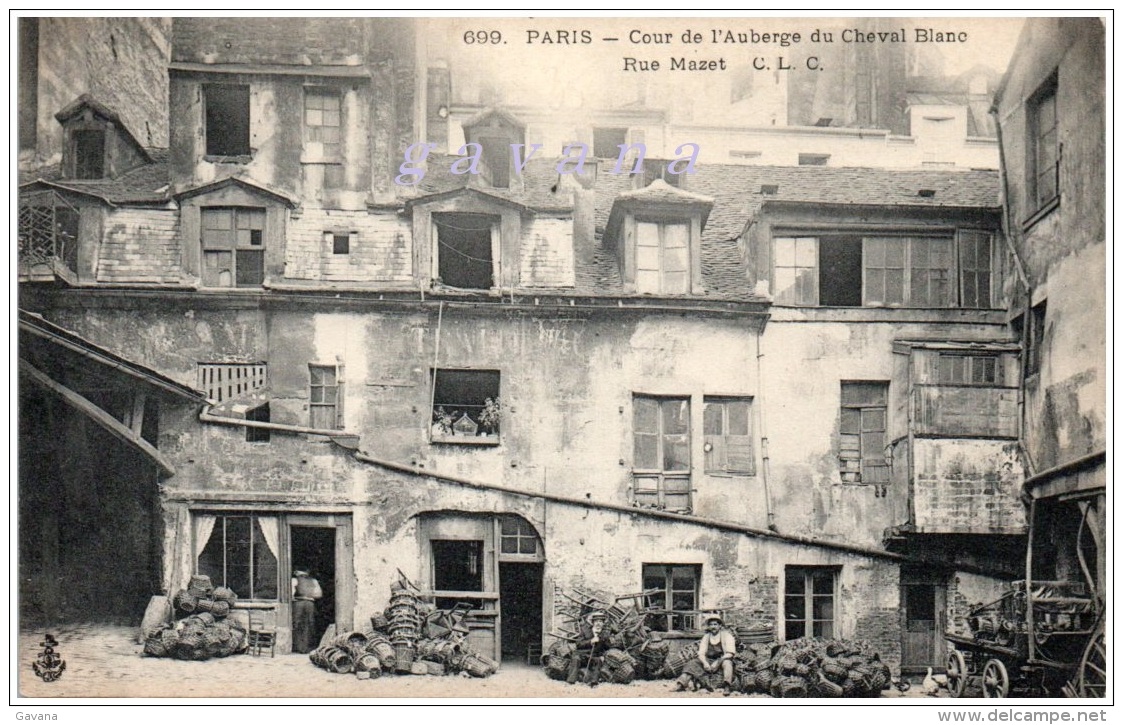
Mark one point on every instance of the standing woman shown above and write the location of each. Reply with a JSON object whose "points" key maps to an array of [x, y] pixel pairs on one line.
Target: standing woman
{"points": [[305, 591]]}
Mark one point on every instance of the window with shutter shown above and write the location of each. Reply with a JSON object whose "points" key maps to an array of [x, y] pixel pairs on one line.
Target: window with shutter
{"points": [[862, 437], [661, 462], [727, 435]]}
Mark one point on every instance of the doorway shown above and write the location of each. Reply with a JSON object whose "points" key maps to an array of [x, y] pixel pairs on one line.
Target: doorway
{"points": [[924, 599], [520, 600], [313, 550]]}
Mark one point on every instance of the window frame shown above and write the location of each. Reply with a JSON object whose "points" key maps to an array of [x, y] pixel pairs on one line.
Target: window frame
{"points": [[315, 147], [335, 386], [495, 229], [233, 245], [663, 479], [808, 595], [970, 365], [673, 619], [480, 437], [221, 518], [805, 291], [662, 222], [1045, 96], [860, 475], [711, 466]]}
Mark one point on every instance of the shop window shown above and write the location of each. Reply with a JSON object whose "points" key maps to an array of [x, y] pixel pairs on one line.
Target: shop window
{"points": [[465, 250], [89, 154], [607, 142], [227, 119], [809, 602], [466, 406], [662, 257], [1044, 146], [862, 438], [233, 246], [325, 397], [956, 369], [661, 453], [322, 124], [260, 414], [673, 595], [239, 551], [727, 435], [516, 536]]}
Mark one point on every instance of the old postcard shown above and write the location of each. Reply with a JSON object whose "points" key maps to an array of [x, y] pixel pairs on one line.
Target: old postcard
{"points": [[635, 357]]}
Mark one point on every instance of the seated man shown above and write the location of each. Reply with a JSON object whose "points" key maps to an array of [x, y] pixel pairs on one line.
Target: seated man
{"points": [[592, 643], [715, 651]]}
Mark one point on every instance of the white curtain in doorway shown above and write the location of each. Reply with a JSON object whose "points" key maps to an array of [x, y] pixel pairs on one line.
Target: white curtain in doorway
{"points": [[270, 529]]}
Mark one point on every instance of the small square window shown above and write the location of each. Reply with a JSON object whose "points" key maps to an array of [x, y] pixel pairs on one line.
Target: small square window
{"points": [[340, 243]]}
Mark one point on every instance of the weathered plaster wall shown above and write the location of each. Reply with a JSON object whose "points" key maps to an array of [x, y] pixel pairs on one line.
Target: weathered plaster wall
{"points": [[805, 360], [968, 487], [120, 62]]}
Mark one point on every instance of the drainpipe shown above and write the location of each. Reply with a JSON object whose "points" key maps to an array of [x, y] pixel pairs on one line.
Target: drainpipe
{"points": [[764, 458], [1019, 267], [207, 417]]}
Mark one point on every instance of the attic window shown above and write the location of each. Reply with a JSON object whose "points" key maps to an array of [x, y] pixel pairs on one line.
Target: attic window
{"points": [[497, 161], [769, 189], [463, 253], [813, 159], [89, 154], [227, 119], [926, 193]]}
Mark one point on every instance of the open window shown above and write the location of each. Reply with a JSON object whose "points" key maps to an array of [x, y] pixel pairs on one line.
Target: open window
{"points": [[466, 406], [227, 119], [466, 249], [862, 438], [607, 142]]}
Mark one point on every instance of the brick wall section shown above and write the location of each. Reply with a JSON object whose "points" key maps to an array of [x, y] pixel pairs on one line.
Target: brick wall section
{"points": [[380, 253], [322, 41], [140, 246], [546, 254], [968, 487], [873, 601], [756, 606]]}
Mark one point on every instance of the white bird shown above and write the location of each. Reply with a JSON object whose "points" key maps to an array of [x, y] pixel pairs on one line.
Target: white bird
{"points": [[929, 685]]}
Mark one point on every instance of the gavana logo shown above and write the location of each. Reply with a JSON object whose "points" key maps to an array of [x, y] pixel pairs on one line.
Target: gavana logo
{"points": [[411, 173]]}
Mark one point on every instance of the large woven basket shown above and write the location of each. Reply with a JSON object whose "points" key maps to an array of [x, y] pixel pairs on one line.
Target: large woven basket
{"points": [[478, 665], [200, 585], [184, 601], [404, 655]]}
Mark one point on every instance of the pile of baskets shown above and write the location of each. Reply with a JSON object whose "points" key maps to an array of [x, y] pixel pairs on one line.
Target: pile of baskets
{"points": [[203, 629], [812, 667], [365, 655], [403, 617]]}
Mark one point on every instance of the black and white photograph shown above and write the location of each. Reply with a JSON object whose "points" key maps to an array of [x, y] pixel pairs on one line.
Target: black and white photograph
{"points": [[708, 360]]}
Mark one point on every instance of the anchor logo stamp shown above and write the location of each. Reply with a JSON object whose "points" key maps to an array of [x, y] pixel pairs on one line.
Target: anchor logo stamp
{"points": [[48, 664]]}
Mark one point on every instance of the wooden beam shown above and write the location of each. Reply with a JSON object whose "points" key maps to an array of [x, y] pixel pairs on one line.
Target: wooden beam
{"points": [[99, 416], [137, 420]]}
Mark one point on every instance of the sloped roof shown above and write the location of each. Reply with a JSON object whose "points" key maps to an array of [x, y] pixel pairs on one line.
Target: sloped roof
{"points": [[87, 101], [541, 188], [252, 185], [147, 184]]}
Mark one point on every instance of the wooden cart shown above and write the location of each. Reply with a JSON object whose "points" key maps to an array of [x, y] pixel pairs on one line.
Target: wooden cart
{"points": [[1044, 639]]}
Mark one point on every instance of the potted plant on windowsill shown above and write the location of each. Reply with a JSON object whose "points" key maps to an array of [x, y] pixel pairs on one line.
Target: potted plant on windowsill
{"points": [[489, 418]]}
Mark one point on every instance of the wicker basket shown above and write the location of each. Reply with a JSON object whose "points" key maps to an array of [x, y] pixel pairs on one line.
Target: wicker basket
{"points": [[368, 663], [557, 667], [477, 665], [154, 646], [379, 622], [404, 654], [200, 585], [350, 640], [184, 601]]}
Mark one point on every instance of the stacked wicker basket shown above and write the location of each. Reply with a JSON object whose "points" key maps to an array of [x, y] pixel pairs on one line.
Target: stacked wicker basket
{"points": [[202, 630]]}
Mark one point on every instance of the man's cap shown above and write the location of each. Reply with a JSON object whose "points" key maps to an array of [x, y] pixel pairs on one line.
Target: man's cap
{"points": [[597, 614], [714, 618]]}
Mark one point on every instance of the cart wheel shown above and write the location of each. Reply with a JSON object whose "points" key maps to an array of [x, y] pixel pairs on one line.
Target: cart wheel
{"points": [[1092, 674], [957, 673], [996, 682]]}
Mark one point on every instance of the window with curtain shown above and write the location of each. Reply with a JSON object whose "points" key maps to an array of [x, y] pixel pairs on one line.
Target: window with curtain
{"points": [[240, 552]]}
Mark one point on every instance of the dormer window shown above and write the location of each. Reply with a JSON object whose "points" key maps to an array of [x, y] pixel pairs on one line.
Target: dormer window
{"points": [[89, 154], [465, 252], [495, 130], [657, 232]]}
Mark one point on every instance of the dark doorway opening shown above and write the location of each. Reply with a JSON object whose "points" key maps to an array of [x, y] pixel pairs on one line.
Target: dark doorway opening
{"points": [[313, 550], [520, 601], [457, 567]]}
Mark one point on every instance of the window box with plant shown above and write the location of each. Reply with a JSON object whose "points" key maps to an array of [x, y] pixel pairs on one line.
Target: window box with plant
{"points": [[466, 407]]}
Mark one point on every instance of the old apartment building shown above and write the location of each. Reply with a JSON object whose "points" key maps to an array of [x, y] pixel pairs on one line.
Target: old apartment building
{"points": [[786, 393]]}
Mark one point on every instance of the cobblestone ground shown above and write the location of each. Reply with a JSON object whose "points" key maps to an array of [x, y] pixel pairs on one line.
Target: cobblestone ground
{"points": [[106, 662]]}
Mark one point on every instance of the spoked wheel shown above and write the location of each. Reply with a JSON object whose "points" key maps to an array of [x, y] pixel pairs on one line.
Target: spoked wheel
{"points": [[1092, 675], [957, 673], [996, 681]]}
